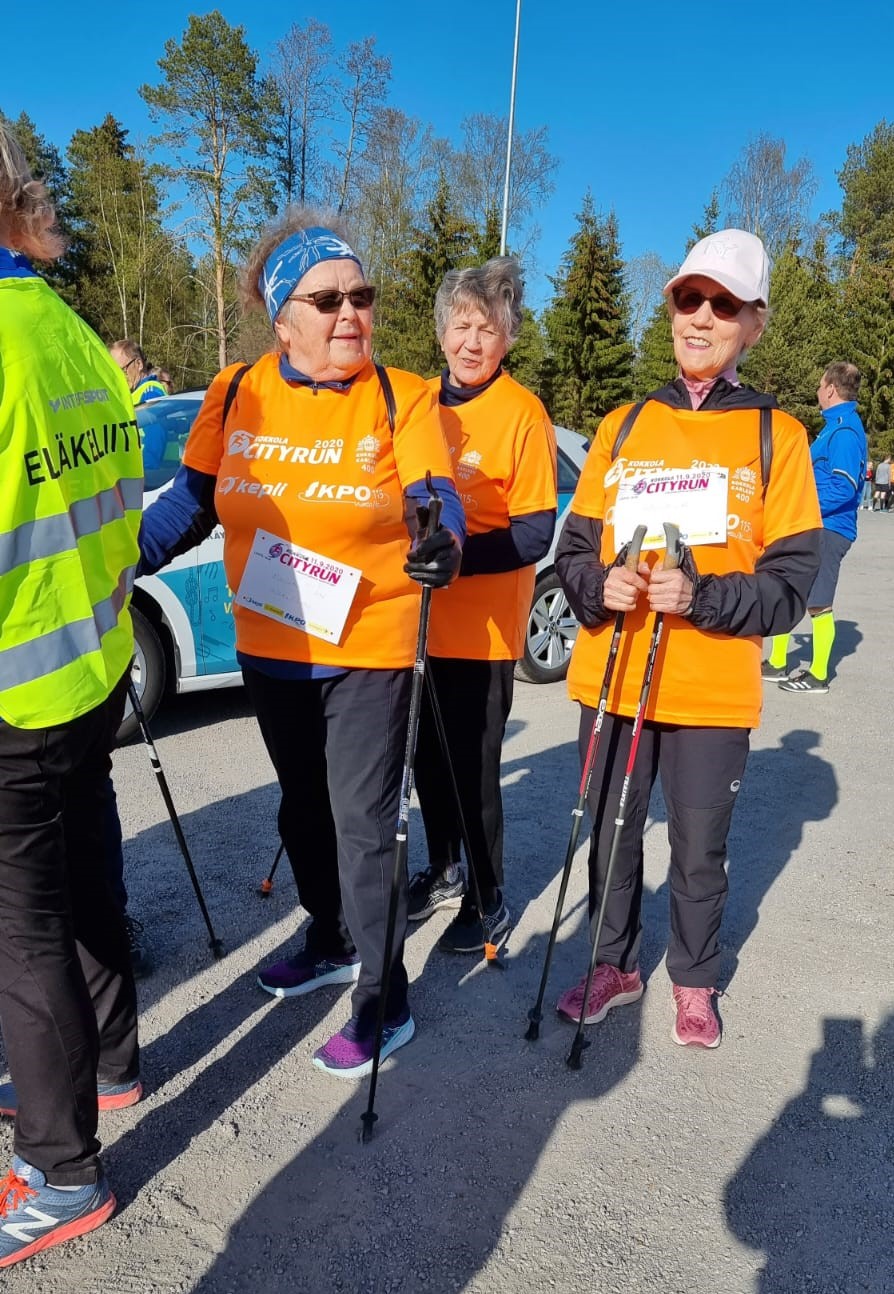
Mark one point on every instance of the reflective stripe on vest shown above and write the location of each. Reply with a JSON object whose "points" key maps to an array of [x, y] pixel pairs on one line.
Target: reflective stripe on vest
{"points": [[50, 535], [61, 647], [70, 506]]}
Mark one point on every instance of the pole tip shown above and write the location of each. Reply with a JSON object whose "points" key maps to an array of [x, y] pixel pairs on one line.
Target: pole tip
{"points": [[532, 1033], [217, 949], [574, 1056], [265, 887], [492, 956], [367, 1126]]}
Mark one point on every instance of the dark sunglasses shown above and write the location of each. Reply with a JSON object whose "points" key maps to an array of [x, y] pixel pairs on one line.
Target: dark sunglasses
{"points": [[689, 300], [328, 300]]}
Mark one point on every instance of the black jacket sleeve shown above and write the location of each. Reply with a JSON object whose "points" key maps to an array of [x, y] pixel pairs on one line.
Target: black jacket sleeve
{"points": [[580, 570], [771, 601], [523, 542]]}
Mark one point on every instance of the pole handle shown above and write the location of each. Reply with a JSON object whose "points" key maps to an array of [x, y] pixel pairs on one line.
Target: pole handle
{"points": [[634, 549], [673, 554]]}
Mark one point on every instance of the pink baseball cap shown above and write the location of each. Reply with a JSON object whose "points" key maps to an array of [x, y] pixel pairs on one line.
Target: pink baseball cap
{"points": [[733, 258]]}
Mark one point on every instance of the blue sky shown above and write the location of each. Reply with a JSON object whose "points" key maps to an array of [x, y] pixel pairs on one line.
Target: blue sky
{"points": [[647, 103]]}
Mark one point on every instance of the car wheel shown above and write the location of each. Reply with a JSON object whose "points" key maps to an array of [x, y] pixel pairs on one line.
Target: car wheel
{"points": [[148, 673], [550, 634]]}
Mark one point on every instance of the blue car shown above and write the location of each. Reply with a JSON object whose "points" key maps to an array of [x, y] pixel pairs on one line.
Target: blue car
{"points": [[183, 623]]}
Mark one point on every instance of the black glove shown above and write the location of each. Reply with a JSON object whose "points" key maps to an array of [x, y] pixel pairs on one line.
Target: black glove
{"points": [[434, 561]]}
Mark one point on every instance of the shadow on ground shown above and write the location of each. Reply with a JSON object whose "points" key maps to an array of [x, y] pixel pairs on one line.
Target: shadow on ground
{"points": [[815, 1194]]}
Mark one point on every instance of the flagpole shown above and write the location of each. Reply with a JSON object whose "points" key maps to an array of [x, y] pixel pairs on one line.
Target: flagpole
{"points": [[505, 225]]}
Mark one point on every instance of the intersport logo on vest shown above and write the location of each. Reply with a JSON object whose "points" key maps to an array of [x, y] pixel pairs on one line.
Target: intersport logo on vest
{"points": [[362, 496]]}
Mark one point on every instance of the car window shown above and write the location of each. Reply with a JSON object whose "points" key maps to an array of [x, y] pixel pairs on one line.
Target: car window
{"points": [[165, 426], [567, 474]]}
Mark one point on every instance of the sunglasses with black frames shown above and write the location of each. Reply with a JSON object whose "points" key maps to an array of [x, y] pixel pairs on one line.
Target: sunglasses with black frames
{"points": [[689, 300], [328, 300]]}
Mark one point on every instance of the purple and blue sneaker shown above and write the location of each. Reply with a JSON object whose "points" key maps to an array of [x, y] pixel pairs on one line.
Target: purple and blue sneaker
{"points": [[306, 972], [348, 1054]]}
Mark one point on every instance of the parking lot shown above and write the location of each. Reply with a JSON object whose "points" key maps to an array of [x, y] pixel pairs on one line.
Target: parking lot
{"points": [[765, 1166]]}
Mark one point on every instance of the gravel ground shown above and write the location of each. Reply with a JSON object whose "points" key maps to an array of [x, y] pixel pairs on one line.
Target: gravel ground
{"points": [[765, 1166]]}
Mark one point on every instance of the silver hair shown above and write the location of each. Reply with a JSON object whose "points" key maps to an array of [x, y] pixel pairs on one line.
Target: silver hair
{"points": [[495, 288]]}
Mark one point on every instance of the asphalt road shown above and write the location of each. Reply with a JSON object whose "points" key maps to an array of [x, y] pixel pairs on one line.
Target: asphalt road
{"points": [[766, 1166]]}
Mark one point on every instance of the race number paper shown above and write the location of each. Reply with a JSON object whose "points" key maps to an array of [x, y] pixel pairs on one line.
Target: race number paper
{"points": [[695, 499], [298, 587]]}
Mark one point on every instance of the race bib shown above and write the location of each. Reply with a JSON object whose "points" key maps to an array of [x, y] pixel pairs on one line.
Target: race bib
{"points": [[298, 587], [694, 499]]}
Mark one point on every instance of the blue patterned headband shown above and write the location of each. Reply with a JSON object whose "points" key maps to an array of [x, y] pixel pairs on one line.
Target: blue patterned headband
{"points": [[287, 265]]}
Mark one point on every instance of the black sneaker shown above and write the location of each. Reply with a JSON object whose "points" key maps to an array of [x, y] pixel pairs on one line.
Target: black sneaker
{"points": [[466, 933], [139, 957], [773, 673], [803, 681], [434, 888]]}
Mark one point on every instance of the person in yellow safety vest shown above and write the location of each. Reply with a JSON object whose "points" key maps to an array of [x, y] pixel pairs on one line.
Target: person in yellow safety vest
{"points": [[143, 382], [71, 488]]}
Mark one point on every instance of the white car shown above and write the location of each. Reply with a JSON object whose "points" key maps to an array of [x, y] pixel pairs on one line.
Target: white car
{"points": [[183, 623]]}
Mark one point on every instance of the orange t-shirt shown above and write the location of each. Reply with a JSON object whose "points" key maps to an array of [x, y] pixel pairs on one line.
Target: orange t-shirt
{"points": [[322, 471], [701, 679], [504, 462]]}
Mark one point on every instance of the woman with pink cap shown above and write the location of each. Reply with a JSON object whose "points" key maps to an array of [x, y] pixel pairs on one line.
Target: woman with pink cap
{"points": [[732, 471]]}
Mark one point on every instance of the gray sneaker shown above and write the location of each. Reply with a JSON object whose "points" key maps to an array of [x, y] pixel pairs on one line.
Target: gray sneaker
{"points": [[773, 673], [467, 933], [435, 888], [803, 681]]}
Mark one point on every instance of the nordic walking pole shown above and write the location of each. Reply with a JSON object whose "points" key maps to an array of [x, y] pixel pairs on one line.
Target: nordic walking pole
{"points": [[267, 883], [213, 942], [631, 561], [671, 560], [491, 952], [369, 1117]]}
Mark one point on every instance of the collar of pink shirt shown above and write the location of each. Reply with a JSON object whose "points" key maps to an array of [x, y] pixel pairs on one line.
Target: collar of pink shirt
{"points": [[698, 391]]}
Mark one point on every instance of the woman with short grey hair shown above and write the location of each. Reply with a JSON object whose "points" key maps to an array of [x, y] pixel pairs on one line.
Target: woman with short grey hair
{"points": [[504, 457]]}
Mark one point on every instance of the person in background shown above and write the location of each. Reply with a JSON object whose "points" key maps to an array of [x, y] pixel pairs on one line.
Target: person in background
{"points": [[332, 697], [868, 485], [839, 466], [143, 381], [749, 577], [504, 456], [882, 495], [71, 490]]}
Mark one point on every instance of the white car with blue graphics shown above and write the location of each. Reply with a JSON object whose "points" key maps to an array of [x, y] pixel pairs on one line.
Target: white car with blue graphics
{"points": [[183, 622]]}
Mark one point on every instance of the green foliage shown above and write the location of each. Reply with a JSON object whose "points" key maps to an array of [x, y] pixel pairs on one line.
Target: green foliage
{"points": [[656, 364], [587, 324], [526, 358], [800, 339], [218, 115], [405, 330], [866, 222], [867, 316]]}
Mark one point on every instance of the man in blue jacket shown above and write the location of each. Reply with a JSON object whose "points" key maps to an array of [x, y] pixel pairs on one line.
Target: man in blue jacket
{"points": [[839, 465]]}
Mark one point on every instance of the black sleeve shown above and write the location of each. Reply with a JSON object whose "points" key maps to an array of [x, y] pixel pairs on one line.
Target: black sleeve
{"points": [[771, 601], [580, 570], [522, 543]]}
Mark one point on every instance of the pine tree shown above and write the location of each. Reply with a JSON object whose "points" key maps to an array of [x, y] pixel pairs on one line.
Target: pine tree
{"points": [[588, 327], [656, 363], [405, 333], [525, 359], [799, 341]]}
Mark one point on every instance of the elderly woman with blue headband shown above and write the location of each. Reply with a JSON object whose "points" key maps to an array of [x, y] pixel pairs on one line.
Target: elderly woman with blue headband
{"points": [[312, 458]]}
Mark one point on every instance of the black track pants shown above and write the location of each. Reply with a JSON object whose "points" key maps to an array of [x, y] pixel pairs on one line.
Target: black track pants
{"points": [[338, 748], [475, 697], [701, 770], [68, 1006]]}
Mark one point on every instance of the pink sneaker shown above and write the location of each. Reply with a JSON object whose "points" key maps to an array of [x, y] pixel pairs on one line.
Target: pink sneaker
{"points": [[610, 987], [696, 1024]]}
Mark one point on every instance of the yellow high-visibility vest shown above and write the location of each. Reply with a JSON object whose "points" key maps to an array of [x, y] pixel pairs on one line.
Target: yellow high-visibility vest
{"points": [[71, 488]]}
